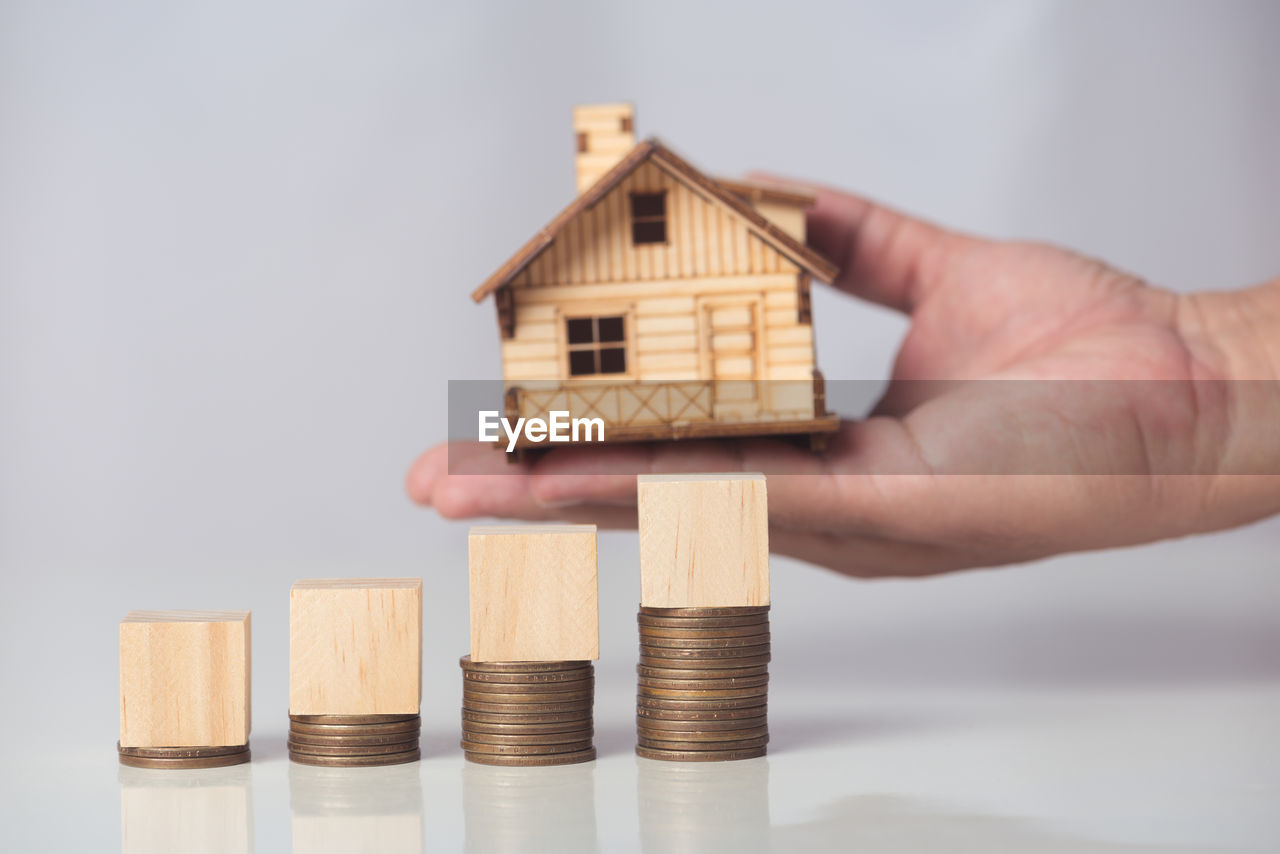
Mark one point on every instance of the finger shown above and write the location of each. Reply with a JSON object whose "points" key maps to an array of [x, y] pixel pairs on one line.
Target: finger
{"points": [[884, 256]]}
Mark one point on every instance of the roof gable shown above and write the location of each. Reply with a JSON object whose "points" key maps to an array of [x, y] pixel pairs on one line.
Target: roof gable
{"points": [[653, 151]]}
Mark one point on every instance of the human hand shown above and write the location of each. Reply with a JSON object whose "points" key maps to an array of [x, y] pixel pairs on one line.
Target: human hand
{"points": [[946, 473]]}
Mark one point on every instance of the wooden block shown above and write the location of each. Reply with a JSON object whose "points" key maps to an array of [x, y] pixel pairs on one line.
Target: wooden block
{"points": [[184, 679], [704, 540], [355, 646], [534, 593]]}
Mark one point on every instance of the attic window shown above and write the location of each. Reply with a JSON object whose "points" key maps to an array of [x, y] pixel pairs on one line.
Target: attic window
{"points": [[597, 345], [648, 218]]}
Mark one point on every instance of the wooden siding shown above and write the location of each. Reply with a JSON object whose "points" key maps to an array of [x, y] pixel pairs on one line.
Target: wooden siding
{"points": [[703, 239]]}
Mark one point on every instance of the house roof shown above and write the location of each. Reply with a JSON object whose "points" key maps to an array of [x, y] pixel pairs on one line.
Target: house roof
{"points": [[651, 149], [768, 191]]}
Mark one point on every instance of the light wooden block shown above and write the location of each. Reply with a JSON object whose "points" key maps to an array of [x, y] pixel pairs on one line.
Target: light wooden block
{"points": [[355, 646], [704, 540], [534, 593], [184, 679]]}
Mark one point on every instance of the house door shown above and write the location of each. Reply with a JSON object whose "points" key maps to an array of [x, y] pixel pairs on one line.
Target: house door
{"points": [[733, 357]]}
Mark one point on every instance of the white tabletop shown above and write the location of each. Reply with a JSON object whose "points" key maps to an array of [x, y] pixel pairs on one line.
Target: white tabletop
{"points": [[1025, 770]]}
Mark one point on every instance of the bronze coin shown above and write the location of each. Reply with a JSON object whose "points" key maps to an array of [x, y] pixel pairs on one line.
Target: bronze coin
{"points": [[350, 750], [540, 738], [355, 761], [525, 749], [553, 677], [704, 634], [687, 663], [697, 673], [521, 666], [527, 729], [701, 622], [529, 761], [646, 682], [701, 705], [355, 740], [713, 737], [742, 611], [529, 688], [704, 643], [412, 725], [717, 694], [683, 725], [530, 718], [700, 755], [474, 705], [700, 714], [685, 653], [179, 764], [352, 720], [180, 752], [744, 744], [535, 697]]}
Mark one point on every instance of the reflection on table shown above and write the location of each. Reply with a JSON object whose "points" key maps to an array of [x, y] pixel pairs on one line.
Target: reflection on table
{"points": [[704, 806], [374, 810], [512, 810], [208, 811]]}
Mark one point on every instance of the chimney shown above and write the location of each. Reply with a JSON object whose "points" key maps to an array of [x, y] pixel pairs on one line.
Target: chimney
{"points": [[604, 133]]}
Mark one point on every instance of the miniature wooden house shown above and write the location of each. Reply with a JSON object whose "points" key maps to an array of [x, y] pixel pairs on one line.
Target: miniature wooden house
{"points": [[666, 303]]}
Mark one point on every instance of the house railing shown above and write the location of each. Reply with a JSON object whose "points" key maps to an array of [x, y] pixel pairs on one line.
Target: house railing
{"points": [[630, 404]]}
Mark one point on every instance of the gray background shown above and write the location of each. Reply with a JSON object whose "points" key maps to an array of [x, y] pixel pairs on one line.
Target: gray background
{"points": [[237, 239]]}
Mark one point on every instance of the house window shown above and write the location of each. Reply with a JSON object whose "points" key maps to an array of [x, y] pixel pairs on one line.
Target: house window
{"points": [[648, 218], [597, 345]]}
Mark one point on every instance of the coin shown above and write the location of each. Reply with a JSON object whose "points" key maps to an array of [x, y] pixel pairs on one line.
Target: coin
{"points": [[645, 711], [699, 613], [529, 688], [474, 705], [701, 622], [686, 671], [180, 752], [648, 660], [700, 755], [742, 744], [350, 750], [704, 634], [356, 761], [535, 697], [714, 694], [525, 749], [352, 720], [411, 725], [704, 643], [540, 738], [701, 705], [683, 725], [523, 718], [522, 666], [685, 653], [354, 740], [526, 729], [528, 761], [646, 682], [711, 736], [182, 763], [556, 676]]}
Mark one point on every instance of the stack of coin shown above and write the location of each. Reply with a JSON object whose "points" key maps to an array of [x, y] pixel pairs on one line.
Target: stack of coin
{"points": [[354, 740], [527, 712], [704, 683], [182, 757]]}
